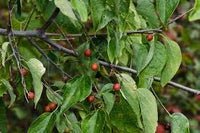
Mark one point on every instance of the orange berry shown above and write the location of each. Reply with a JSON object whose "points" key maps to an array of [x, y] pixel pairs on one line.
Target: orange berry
{"points": [[31, 95], [88, 53], [116, 87], [94, 66], [149, 37]]}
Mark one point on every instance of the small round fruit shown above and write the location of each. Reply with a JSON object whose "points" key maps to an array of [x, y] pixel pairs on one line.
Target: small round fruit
{"points": [[24, 72], [198, 97], [116, 87], [47, 109], [91, 98], [52, 105], [31, 95], [88, 53], [94, 66], [160, 129], [149, 37]]}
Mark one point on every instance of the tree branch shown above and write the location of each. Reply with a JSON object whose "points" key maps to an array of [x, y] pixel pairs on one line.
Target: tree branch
{"points": [[59, 47], [50, 20], [36, 33], [16, 55], [126, 69], [44, 54]]}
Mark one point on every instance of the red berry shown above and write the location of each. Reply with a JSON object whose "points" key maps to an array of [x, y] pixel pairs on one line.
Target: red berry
{"points": [[88, 52], [47, 109], [94, 66], [31, 95], [52, 105], [160, 129], [198, 97], [149, 37], [24, 72], [91, 98], [116, 87]]}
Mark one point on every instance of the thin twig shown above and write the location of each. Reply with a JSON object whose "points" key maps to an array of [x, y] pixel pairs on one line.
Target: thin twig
{"points": [[50, 20], [154, 93], [36, 34], [44, 54], [180, 16], [17, 58], [126, 69]]}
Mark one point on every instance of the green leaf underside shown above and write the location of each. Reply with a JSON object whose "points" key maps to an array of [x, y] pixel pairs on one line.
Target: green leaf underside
{"points": [[141, 101], [10, 91], [123, 117], [37, 71], [148, 58], [3, 52], [66, 8], [195, 14], [81, 8], [174, 58], [179, 123]]}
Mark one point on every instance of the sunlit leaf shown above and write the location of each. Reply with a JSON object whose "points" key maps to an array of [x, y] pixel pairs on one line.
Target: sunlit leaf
{"points": [[37, 71]]}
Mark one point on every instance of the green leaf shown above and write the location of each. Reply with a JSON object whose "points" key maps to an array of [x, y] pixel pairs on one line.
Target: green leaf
{"points": [[195, 14], [71, 94], [166, 8], [37, 71], [123, 117], [78, 89], [128, 92], [113, 49], [154, 68], [107, 16], [109, 100], [10, 91], [141, 101], [53, 96], [97, 10], [146, 9], [106, 88], [28, 51], [93, 123], [43, 124], [179, 123], [148, 58], [174, 58], [127, 81], [65, 7], [3, 52], [85, 87], [158, 61], [140, 54], [47, 7], [3, 124], [81, 8], [148, 106]]}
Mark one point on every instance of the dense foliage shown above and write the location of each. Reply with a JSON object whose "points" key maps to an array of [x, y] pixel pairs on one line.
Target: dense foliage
{"points": [[69, 66]]}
